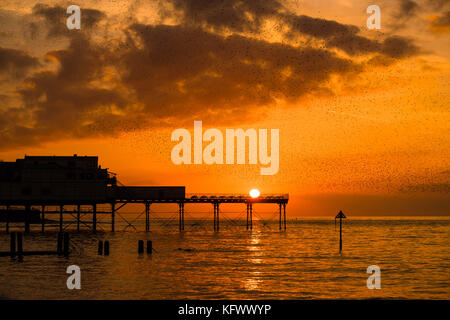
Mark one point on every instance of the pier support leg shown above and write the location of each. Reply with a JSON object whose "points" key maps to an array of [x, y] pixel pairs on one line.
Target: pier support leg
{"points": [[247, 214], [27, 218], [113, 211], [279, 205], [251, 216], [216, 216], [284, 213], [61, 210], [181, 212], [43, 219], [13, 245], [7, 219], [19, 246], [94, 217], [78, 217], [147, 216]]}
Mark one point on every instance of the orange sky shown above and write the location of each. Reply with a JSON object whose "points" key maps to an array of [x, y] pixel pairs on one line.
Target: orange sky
{"points": [[363, 118]]}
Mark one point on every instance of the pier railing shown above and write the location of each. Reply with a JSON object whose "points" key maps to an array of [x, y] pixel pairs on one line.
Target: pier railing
{"points": [[284, 196]]}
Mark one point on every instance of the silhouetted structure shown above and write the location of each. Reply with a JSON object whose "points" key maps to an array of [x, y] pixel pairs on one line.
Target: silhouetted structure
{"points": [[340, 216], [70, 182]]}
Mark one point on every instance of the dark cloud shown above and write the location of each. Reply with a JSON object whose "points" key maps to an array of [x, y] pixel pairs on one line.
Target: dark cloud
{"points": [[55, 18], [408, 7], [320, 28], [409, 12], [441, 24], [162, 75], [64, 103], [248, 16], [187, 68], [399, 47], [348, 39], [235, 15], [16, 63]]}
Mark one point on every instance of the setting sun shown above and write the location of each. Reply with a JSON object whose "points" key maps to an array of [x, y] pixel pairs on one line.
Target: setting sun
{"points": [[254, 193]]}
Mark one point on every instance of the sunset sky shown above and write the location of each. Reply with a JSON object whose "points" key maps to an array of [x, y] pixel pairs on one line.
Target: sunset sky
{"points": [[363, 114]]}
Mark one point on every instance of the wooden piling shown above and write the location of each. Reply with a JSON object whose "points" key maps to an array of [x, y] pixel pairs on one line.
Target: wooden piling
{"points": [[217, 215], [149, 247], [113, 211], [141, 246], [61, 209], [247, 214], [19, 246], [7, 219], [106, 252], [43, 219], [59, 244], [78, 217], [280, 205], [94, 217], [66, 244], [147, 216], [27, 218], [251, 216], [100, 247], [7, 222], [13, 244]]}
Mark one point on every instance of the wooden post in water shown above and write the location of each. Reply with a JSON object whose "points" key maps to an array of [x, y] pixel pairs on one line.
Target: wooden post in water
{"points": [[149, 247], [19, 246], [100, 247], [141, 246], [66, 244], [106, 252], [284, 213], [59, 245], [13, 244], [340, 216]]}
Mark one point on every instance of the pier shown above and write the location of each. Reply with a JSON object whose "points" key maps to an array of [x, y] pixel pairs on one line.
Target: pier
{"points": [[78, 187]]}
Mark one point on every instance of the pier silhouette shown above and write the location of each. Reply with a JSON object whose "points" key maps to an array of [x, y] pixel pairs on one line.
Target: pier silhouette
{"points": [[77, 185]]}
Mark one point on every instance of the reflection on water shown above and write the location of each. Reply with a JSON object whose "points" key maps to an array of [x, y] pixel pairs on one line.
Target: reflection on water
{"points": [[251, 283], [301, 263]]}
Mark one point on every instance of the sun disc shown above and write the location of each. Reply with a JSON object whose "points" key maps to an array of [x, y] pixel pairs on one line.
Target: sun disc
{"points": [[254, 193]]}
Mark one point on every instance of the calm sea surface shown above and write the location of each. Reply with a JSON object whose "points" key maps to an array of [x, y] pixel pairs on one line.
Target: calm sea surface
{"points": [[300, 263]]}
